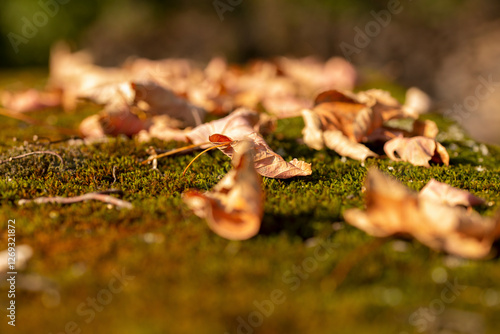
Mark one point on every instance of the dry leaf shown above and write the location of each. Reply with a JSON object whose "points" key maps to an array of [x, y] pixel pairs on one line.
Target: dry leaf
{"points": [[392, 209], [131, 108], [417, 102], [416, 150], [154, 99], [425, 128], [75, 75], [443, 193], [270, 164], [238, 126], [313, 76], [312, 132], [235, 206], [341, 120], [266, 162], [114, 124], [163, 128], [356, 115], [335, 140], [30, 100]]}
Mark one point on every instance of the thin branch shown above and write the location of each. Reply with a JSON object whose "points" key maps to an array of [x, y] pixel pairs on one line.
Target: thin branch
{"points": [[174, 151], [98, 196], [31, 153], [196, 157], [114, 174]]}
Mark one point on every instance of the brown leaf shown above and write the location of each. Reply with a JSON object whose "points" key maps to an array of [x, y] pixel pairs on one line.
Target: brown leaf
{"points": [[443, 193], [356, 115], [98, 126], [417, 102], [335, 140], [425, 128], [312, 75], [154, 99], [312, 132], [163, 128], [416, 150], [236, 125], [235, 206], [30, 100], [270, 164], [239, 126], [392, 209]]}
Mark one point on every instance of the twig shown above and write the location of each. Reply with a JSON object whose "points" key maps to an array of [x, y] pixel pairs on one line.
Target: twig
{"points": [[174, 151], [31, 153], [98, 196], [196, 157], [114, 175]]}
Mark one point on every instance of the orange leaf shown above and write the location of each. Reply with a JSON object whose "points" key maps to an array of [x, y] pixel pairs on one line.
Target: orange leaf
{"points": [[235, 206], [416, 150], [393, 209]]}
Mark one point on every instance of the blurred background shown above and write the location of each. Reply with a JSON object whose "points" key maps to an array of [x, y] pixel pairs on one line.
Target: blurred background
{"points": [[448, 48]]}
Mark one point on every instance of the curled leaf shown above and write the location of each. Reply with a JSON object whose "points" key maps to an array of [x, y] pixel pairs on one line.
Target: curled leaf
{"points": [[236, 125], [392, 209], [418, 151], [239, 126], [444, 193], [417, 102], [313, 135], [335, 140], [235, 206], [30, 100]]}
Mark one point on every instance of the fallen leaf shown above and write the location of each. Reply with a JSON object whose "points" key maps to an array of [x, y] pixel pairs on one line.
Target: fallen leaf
{"points": [[356, 115], [312, 75], [425, 128], [270, 164], [236, 125], [446, 194], [239, 126], [114, 124], [235, 206], [417, 102], [30, 100], [335, 140], [163, 128], [155, 100], [392, 209], [416, 150]]}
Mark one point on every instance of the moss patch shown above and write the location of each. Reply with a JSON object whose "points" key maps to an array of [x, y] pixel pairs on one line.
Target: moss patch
{"points": [[186, 279]]}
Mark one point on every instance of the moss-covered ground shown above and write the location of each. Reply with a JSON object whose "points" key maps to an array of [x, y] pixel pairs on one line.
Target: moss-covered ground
{"points": [[179, 277]]}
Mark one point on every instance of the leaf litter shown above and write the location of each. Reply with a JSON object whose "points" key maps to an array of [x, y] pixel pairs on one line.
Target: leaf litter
{"points": [[170, 100]]}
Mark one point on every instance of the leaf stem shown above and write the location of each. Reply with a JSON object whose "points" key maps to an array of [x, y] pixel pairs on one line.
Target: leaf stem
{"points": [[208, 149], [174, 151]]}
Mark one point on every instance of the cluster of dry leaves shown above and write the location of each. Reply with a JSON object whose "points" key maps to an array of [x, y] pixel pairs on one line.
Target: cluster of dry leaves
{"points": [[439, 216], [170, 100]]}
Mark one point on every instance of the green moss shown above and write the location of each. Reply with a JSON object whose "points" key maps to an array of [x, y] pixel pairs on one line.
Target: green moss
{"points": [[189, 280]]}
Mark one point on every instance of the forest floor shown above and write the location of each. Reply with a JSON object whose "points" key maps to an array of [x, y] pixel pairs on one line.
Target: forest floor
{"points": [[158, 268]]}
